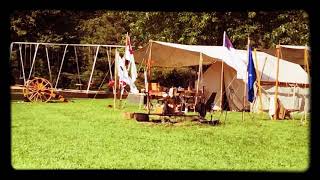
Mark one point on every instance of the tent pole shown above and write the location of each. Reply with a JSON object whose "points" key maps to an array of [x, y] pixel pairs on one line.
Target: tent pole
{"points": [[121, 88], [22, 65], [258, 75], [34, 58], [48, 64], [245, 84], [94, 63], [306, 62], [64, 53], [149, 77], [115, 78], [221, 84], [306, 65], [198, 81], [277, 82]]}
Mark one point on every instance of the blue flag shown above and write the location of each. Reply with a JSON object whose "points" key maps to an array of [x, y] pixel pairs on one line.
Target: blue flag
{"points": [[251, 77]]}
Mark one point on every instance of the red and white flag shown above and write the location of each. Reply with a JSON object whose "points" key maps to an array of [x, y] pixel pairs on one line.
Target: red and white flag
{"points": [[122, 72], [124, 78]]}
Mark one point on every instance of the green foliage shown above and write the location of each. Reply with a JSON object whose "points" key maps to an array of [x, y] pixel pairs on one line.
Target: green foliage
{"points": [[86, 134], [265, 29]]}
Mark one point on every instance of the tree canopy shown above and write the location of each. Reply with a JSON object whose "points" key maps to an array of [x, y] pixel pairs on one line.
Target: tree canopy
{"points": [[265, 29]]}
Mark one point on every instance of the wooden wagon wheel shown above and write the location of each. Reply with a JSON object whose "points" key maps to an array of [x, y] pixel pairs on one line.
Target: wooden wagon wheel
{"points": [[38, 89]]}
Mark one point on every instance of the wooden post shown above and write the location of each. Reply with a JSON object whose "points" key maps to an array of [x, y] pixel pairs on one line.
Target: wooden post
{"points": [[306, 60], [115, 78], [221, 84], [94, 63], [221, 77], [306, 65], [245, 84], [198, 81], [275, 117], [113, 88], [149, 76], [259, 79], [121, 87]]}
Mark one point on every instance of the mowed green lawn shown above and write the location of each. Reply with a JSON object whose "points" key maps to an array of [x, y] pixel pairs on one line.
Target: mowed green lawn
{"points": [[86, 134]]}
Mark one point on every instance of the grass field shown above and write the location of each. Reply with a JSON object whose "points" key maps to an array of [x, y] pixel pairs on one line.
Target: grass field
{"points": [[86, 134]]}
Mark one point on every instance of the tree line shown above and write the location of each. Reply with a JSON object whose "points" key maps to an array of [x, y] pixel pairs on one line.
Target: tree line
{"points": [[265, 29]]}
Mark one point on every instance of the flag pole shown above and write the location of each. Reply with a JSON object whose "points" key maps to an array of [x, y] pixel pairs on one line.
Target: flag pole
{"points": [[122, 87], [259, 85], [149, 77], [245, 84], [115, 79], [221, 76], [127, 46], [275, 117]]}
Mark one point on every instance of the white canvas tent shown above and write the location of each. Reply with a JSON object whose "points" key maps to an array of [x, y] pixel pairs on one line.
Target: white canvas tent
{"points": [[293, 80]]}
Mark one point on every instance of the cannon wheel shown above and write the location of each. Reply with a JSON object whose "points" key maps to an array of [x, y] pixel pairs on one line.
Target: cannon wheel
{"points": [[38, 89]]}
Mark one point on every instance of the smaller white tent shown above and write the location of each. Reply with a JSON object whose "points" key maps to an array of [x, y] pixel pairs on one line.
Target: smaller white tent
{"points": [[293, 80]]}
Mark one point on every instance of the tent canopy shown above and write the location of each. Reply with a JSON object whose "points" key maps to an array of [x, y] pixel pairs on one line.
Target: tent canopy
{"points": [[164, 54], [294, 54], [267, 66]]}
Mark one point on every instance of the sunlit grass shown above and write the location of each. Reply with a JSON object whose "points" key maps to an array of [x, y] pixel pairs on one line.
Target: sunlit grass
{"points": [[86, 134]]}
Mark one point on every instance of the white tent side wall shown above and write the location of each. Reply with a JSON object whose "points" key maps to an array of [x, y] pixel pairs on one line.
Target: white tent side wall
{"points": [[234, 89], [211, 81], [293, 98]]}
